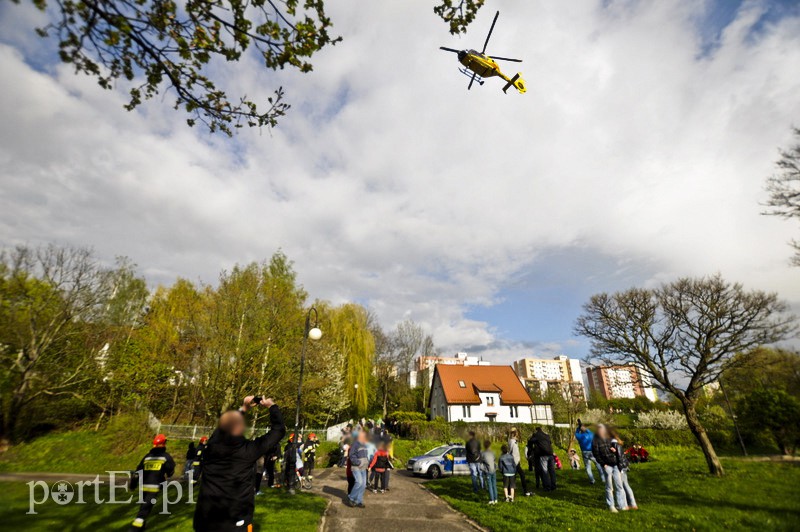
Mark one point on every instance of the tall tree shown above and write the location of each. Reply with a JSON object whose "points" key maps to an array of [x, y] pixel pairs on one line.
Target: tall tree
{"points": [[154, 46], [47, 296], [784, 189], [385, 364], [684, 335]]}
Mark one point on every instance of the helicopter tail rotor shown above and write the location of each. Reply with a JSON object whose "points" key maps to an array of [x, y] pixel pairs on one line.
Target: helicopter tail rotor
{"points": [[518, 83]]}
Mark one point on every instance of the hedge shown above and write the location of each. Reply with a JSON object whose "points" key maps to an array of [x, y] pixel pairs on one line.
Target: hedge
{"points": [[440, 430]]}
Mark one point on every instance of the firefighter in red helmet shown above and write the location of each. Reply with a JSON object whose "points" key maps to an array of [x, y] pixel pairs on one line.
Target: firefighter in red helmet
{"points": [[150, 476], [197, 464]]}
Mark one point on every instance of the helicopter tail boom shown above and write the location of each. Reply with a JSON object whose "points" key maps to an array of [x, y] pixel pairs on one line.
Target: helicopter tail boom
{"points": [[517, 82]]}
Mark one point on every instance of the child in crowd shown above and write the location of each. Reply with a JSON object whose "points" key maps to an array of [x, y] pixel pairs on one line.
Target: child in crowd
{"points": [[351, 479], [574, 461], [380, 466], [489, 471], [508, 468]]}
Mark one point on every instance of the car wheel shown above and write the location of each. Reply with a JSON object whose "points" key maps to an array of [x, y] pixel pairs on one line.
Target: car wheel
{"points": [[434, 472]]}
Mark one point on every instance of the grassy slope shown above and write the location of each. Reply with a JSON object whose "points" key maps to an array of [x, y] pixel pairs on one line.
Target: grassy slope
{"points": [[674, 492], [274, 511], [80, 452]]}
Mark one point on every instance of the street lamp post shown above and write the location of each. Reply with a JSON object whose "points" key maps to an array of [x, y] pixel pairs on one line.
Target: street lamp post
{"points": [[312, 332]]}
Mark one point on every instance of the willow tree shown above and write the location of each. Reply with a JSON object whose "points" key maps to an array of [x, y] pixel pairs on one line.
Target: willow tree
{"points": [[684, 334], [350, 334]]}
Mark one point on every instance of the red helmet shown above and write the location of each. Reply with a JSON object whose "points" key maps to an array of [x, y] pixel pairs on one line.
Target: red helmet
{"points": [[291, 436], [159, 441], [312, 436], [203, 439]]}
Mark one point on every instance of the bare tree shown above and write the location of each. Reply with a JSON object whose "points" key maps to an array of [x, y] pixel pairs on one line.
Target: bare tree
{"points": [[46, 295], [784, 189], [408, 339], [684, 334]]}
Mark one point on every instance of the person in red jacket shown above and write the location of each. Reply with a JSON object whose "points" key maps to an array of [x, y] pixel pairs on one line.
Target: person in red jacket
{"points": [[637, 454], [381, 464]]}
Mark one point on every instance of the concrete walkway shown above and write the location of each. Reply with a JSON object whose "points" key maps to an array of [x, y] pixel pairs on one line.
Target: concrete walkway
{"points": [[407, 506]]}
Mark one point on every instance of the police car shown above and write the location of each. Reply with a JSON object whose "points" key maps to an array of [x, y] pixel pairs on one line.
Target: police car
{"points": [[450, 459]]}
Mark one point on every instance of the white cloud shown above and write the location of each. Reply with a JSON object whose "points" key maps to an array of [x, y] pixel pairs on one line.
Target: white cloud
{"points": [[390, 184]]}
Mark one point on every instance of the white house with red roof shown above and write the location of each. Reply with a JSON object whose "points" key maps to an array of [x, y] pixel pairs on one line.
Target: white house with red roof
{"points": [[479, 393]]}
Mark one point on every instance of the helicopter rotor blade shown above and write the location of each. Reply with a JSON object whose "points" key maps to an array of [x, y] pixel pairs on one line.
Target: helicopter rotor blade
{"points": [[471, 81], [485, 44], [505, 59], [448, 49]]}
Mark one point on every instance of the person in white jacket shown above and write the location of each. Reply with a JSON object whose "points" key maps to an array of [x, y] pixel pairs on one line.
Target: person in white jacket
{"points": [[513, 448]]}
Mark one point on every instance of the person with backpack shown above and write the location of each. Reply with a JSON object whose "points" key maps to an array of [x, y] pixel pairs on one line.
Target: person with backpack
{"points": [[380, 465], [508, 469]]}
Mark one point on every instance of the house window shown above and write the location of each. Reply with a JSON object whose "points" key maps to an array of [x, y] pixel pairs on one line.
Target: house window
{"points": [[514, 411], [466, 411], [490, 401], [462, 384]]}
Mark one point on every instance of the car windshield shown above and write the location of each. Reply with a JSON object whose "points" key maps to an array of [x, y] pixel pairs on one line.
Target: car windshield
{"points": [[439, 451]]}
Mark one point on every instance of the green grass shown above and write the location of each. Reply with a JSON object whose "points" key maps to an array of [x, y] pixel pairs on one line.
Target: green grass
{"points": [[79, 452], [116, 447], [275, 510], [674, 492]]}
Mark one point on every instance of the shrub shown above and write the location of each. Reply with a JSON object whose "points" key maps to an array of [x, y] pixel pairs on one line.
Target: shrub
{"points": [[668, 419]]}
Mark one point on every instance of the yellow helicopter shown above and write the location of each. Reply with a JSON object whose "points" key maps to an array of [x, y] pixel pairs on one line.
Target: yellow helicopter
{"points": [[478, 65]]}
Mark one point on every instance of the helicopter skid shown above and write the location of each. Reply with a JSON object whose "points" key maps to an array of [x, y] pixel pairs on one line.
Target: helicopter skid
{"points": [[469, 74]]}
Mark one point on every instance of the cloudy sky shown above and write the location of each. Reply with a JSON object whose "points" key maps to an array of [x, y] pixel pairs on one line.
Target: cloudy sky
{"points": [[638, 155]]}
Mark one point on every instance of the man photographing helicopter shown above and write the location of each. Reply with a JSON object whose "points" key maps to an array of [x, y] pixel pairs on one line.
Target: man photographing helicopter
{"points": [[227, 494]]}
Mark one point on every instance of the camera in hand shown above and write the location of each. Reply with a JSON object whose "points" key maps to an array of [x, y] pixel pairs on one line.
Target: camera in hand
{"points": [[257, 400]]}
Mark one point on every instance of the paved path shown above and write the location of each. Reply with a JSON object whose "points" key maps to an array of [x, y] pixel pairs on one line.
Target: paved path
{"points": [[407, 506]]}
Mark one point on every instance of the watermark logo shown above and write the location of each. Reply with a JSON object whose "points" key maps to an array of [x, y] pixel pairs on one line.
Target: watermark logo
{"points": [[62, 492], [114, 489]]}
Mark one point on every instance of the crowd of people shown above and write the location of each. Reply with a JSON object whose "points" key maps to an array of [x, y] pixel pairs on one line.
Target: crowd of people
{"points": [[366, 454], [604, 450], [231, 468]]}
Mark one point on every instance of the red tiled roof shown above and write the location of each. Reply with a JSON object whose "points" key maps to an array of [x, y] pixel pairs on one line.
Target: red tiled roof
{"points": [[500, 379]]}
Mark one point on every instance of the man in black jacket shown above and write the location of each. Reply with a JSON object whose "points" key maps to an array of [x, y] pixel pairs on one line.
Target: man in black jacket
{"points": [[543, 451], [474, 461], [227, 493], [151, 473]]}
